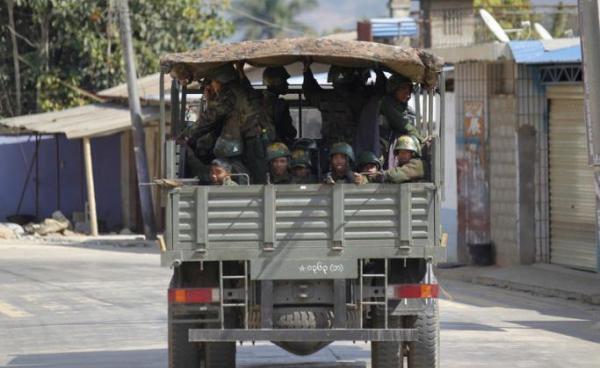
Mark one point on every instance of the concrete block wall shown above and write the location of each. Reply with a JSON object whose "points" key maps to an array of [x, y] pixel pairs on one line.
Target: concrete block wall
{"points": [[503, 179]]}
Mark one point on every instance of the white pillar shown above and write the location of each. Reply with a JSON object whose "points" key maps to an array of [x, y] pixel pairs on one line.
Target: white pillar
{"points": [[89, 178]]}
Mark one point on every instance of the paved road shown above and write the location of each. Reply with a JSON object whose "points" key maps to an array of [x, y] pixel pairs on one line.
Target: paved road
{"points": [[104, 306]]}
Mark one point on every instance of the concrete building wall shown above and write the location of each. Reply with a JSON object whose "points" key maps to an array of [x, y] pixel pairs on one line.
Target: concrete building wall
{"points": [[503, 179]]}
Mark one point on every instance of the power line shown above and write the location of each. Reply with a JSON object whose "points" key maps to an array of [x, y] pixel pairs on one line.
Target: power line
{"points": [[265, 22]]}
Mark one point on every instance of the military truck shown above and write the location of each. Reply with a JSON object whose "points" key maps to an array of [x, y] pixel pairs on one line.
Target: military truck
{"points": [[304, 265]]}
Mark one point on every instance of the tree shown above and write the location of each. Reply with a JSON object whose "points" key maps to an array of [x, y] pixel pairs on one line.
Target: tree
{"points": [[66, 47], [560, 21], [509, 13], [262, 19]]}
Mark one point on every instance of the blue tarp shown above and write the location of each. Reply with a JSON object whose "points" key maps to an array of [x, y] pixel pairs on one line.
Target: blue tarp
{"points": [[535, 52]]}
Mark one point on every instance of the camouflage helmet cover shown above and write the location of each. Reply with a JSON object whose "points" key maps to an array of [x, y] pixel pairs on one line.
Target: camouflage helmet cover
{"points": [[223, 163], [300, 158], [224, 73], [276, 150], [396, 81], [368, 157], [342, 148], [408, 143], [275, 75], [226, 147]]}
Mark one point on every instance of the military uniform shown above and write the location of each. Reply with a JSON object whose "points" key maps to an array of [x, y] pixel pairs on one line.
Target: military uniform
{"points": [[339, 110], [278, 110], [398, 117], [365, 158], [348, 177], [274, 151], [228, 182], [410, 171], [301, 158], [240, 124]]}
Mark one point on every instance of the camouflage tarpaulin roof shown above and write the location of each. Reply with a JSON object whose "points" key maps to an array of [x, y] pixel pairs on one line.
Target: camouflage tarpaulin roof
{"points": [[413, 63]]}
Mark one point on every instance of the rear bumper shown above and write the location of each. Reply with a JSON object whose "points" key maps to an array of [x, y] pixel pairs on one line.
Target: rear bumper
{"points": [[401, 334]]}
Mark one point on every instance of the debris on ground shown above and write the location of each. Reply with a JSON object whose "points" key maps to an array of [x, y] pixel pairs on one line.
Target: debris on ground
{"points": [[56, 224], [10, 230]]}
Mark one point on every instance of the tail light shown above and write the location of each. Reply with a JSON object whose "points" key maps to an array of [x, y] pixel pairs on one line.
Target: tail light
{"points": [[413, 291], [193, 296]]}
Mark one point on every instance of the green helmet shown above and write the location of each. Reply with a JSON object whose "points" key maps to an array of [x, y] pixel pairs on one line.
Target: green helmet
{"points": [[275, 75], [223, 163], [341, 74], [300, 158], [368, 157], [396, 81], [276, 150], [408, 143], [224, 74], [344, 149], [225, 147]]}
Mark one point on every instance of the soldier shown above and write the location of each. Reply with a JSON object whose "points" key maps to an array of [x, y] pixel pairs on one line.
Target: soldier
{"points": [[410, 166], [339, 107], [276, 108], [301, 167], [278, 156], [236, 116], [399, 118], [369, 165], [220, 172], [341, 159]]}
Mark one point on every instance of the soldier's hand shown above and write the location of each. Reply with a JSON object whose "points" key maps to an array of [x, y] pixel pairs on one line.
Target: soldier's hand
{"points": [[329, 180], [358, 179], [307, 61]]}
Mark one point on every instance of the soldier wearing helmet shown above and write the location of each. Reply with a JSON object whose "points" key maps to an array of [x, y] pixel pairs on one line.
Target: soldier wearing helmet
{"points": [[220, 172], [341, 160], [278, 156], [232, 123], [301, 166], [369, 165], [409, 167], [340, 108], [398, 117], [276, 108]]}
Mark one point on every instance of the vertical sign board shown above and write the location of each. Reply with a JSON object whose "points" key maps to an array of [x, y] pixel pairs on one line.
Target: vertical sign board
{"points": [[472, 185], [589, 24]]}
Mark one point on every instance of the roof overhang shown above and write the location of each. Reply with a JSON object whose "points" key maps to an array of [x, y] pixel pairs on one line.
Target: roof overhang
{"points": [[94, 120]]}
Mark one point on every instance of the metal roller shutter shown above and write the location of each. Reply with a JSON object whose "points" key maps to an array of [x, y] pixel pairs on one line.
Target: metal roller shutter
{"points": [[571, 188]]}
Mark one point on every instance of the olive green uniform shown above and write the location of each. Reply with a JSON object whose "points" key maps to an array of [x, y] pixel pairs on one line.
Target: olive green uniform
{"points": [[411, 171], [339, 110], [284, 179], [278, 110], [399, 119], [228, 182]]}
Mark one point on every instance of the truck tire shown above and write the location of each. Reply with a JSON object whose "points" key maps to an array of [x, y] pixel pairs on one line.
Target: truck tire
{"points": [[425, 353], [219, 354], [182, 354], [305, 318], [386, 354]]}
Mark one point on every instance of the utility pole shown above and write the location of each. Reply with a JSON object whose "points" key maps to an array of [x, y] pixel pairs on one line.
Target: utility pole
{"points": [[139, 141], [589, 25]]}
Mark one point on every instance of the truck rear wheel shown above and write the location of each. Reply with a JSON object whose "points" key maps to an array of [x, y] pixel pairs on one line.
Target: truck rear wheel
{"points": [[425, 353], [182, 354], [386, 354], [219, 355]]}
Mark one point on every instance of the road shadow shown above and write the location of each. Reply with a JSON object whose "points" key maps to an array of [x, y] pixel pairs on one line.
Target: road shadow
{"points": [[571, 318], [147, 358]]}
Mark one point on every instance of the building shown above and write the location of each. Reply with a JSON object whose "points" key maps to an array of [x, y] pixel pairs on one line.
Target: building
{"points": [[523, 180]]}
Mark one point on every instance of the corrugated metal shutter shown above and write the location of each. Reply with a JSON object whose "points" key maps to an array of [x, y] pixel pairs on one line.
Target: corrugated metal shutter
{"points": [[572, 199]]}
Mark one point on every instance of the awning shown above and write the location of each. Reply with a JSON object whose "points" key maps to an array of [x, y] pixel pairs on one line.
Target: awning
{"points": [[94, 120]]}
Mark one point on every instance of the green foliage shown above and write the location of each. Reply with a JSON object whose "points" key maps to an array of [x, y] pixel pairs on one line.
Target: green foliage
{"points": [[262, 19], [74, 43], [560, 21], [509, 13]]}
